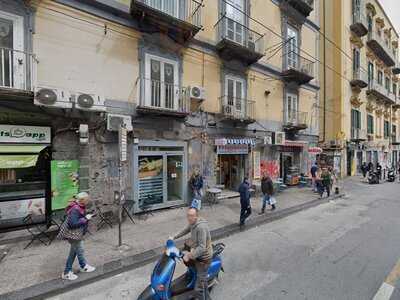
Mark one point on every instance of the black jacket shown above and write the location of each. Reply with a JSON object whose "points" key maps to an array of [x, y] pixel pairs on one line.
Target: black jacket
{"points": [[267, 186]]}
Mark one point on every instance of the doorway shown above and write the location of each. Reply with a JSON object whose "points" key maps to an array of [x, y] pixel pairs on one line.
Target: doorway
{"points": [[231, 170], [350, 158], [359, 161]]}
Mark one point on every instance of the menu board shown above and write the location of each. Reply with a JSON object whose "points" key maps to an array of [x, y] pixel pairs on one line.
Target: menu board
{"points": [[64, 182]]}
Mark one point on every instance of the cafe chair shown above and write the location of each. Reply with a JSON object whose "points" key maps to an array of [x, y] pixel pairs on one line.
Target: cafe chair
{"points": [[39, 232], [104, 216]]}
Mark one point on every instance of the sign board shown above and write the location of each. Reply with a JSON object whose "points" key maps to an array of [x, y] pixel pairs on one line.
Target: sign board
{"points": [[123, 144], [233, 149], [256, 165], [13, 212], [64, 182], [315, 150], [25, 134]]}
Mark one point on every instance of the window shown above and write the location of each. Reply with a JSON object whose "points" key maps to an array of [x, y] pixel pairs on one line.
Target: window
{"points": [[292, 44], [394, 132], [161, 83], [235, 103], [380, 77], [356, 59], [387, 84], [386, 129], [370, 72], [370, 124], [355, 119], [292, 104], [370, 23], [235, 21], [356, 8], [394, 89]]}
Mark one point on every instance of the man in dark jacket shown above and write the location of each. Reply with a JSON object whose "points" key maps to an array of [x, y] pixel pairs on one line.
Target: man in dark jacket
{"points": [[267, 188], [245, 207], [201, 250]]}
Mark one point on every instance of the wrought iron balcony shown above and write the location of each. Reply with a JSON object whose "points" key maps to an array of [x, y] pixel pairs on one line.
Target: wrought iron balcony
{"points": [[299, 9], [358, 134], [17, 71], [381, 49], [294, 120], [237, 109], [237, 41], [360, 24], [381, 93], [162, 98], [178, 17], [297, 68], [360, 78]]}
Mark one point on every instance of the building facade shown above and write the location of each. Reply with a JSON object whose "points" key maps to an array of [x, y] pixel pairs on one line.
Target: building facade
{"points": [[360, 115], [228, 86]]}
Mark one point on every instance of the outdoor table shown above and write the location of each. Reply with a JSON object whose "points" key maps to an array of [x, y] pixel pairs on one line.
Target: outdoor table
{"points": [[212, 195]]}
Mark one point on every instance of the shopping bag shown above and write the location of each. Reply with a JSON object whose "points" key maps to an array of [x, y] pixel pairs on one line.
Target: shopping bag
{"points": [[272, 200]]}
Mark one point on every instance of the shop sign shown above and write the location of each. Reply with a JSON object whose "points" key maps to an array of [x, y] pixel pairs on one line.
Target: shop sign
{"points": [[315, 150], [256, 165], [233, 149], [64, 182], [24, 134], [235, 141]]}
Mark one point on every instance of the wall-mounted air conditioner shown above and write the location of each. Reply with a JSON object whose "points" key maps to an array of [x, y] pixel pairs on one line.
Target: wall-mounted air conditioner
{"points": [[114, 122], [89, 102], [197, 93], [278, 138], [52, 97]]}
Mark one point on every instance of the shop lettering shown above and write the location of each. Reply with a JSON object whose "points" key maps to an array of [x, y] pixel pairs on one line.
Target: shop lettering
{"points": [[21, 133]]}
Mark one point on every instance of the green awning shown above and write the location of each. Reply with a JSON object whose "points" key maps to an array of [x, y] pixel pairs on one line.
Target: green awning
{"points": [[21, 148], [18, 161]]}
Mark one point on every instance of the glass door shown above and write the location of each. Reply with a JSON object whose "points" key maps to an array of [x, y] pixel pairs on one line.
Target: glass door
{"points": [[291, 108], [234, 91], [235, 21], [292, 42], [151, 180], [174, 177]]}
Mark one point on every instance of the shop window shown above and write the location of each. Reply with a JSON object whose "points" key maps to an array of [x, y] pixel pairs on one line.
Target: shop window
{"points": [[370, 124]]}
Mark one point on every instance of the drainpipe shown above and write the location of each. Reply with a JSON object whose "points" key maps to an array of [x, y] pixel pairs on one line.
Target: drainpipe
{"points": [[324, 51]]}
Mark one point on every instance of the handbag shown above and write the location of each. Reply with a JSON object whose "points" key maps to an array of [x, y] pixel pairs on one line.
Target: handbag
{"points": [[67, 233]]}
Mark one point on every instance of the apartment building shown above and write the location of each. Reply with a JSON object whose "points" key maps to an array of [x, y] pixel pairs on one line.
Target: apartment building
{"points": [[361, 93], [228, 86]]}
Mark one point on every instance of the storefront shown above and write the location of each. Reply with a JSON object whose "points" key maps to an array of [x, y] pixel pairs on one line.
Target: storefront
{"points": [[25, 158], [159, 174], [232, 160], [291, 161]]}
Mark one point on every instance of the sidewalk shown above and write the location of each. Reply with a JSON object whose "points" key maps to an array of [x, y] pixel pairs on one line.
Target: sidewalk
{"points": [[37, 264]]}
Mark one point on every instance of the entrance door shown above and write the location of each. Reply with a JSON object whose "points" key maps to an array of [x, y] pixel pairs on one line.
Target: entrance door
{"points": [[12, 60], [174, 177], [350, 158], [232, 169], [234, 91], [292, 108], [292, 44], [359, 161], [235, 21]]}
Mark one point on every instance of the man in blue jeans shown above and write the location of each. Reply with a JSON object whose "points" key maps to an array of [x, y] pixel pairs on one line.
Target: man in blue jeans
{"points": [[245, 207], [267, 188]]}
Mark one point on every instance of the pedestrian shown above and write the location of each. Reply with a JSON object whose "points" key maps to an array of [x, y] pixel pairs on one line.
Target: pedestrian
{"points": [[313, 172], [318, 182], [267, 189], [379, 170], [200, 250], [326, 179], [196, 184], [245, 207], [370, 166], [73, 230], [364, 169]]}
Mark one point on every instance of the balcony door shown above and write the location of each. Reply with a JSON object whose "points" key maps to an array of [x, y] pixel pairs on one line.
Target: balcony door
{"points": [[161, 83], [356, 10], [12, 58], [235, 95], [292, 44], [235, 30], [291, 113], [169, 7]]}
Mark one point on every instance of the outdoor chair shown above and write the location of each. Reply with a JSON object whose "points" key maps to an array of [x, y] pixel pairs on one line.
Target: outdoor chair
{"points": [[105, 216], [39, 232]]}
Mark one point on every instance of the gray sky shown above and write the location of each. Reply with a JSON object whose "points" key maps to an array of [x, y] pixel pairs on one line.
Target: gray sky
{"points": [[392, 8]]}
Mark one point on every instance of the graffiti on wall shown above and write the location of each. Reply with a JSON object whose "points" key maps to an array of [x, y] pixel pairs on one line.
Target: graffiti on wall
{"points": [[270, 167]]}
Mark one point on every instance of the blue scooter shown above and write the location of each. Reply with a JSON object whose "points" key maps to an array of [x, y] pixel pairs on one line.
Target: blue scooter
{"points": [[163, 288]]}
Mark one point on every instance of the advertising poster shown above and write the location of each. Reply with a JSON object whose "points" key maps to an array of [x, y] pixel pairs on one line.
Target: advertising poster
{"points": [[64, 182], [12, 212]]}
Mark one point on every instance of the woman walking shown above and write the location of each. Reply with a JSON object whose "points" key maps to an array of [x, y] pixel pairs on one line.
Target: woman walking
{"points": [[267, 188], [73, 230]]}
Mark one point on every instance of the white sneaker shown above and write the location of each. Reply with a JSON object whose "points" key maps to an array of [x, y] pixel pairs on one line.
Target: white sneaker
{"points": [[88, 269], [69, 276]]}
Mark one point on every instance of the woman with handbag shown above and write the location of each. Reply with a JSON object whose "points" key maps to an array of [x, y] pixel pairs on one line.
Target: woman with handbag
{"points": [[73, 230]]}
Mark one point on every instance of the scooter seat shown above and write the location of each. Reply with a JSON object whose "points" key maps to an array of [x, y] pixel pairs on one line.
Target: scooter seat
{"points": [[218, 249]]}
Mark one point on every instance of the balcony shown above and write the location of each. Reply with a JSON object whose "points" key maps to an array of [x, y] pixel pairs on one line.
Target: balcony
{"points": [[180, 18], [359, 25], [378, 45], [360, 78], [396, 68], [358, 135], [300, 10], [395, 141], [17, 73], [236, 41], [297, 69], [380, 92], [237, 109], [163, 99], [294, 120]]}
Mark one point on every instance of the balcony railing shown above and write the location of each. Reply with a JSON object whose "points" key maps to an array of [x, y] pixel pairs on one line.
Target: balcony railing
{"points": [[360, 78], [381, 92], [377, 44], [237, 109], [163, 98], [235, 40], [294, 119], [358, 134], [297, 68], [17, 69], [360, 24]]}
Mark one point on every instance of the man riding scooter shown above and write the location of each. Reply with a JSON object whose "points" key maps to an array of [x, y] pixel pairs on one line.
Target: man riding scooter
{"points": [[201, 250]]}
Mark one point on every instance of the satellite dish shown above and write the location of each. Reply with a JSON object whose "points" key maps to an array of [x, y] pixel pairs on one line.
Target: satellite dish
{"points": [[46, 96], [85, 101]]}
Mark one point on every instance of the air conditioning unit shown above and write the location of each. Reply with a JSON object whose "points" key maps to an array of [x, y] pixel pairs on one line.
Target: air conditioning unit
{"points": [[115, 121], [197, 93], [52, 97], [278, 138], [89, 102], [267, 140]]}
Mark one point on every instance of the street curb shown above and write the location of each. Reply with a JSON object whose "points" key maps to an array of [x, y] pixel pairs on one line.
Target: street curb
{"points": [[109, 269]]}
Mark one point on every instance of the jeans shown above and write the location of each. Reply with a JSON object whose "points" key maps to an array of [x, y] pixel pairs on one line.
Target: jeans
{"points": [[76, 250], [265, 201], [245, 212], [201, 287]]}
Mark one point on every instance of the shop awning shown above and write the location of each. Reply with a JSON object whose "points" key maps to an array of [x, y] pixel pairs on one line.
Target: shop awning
{"points": [[19, 156]]}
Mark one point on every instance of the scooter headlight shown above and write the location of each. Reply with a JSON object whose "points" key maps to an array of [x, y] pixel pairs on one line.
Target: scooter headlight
{"points": [[161, 288]]}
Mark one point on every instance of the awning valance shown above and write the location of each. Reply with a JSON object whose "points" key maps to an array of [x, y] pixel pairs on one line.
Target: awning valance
{"points": [[18, 161], [21, 149], [235, 141]]}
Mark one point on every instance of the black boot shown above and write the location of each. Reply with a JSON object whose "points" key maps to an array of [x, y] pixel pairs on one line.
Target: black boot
{"points": [[273, 207]]}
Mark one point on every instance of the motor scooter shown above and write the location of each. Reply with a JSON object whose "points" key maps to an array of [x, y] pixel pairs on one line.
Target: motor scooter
{"points": [[373, 177], [391, 177], [161, 285]]}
